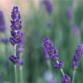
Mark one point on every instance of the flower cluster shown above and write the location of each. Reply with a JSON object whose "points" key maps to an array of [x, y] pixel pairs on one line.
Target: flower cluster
{"points": [[66, 79], [77, 56], [17, 36], [52, 53]]}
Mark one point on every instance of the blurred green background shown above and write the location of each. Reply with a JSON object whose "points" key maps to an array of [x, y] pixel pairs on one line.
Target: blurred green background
{"points": [[66, 34]]}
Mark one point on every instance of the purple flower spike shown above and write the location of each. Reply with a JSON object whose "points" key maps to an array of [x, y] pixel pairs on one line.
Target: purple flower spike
{"points": [[15, 60], [59, 65], [50, 50], [2, 22], [66, 79], [17, 36], [77, 56], [48, 5]]}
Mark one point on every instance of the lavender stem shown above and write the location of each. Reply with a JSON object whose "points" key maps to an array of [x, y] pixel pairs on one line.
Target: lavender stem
{"points": [[21, 70], [61, 70], [15, 67], [73, 76], [21, 74], [16, 77], [49, 64]]}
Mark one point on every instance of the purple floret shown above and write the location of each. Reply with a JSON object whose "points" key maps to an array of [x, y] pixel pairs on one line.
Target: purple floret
{"points": [[59, 65], [66, 79], [13, 59]]}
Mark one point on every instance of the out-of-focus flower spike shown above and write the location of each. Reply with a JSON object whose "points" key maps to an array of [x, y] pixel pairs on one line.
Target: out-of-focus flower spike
{"points": [[69, 13], [2, 22], [77, 56], [48, 5]]}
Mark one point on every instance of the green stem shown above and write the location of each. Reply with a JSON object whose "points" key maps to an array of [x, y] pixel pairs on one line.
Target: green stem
{"points": [[49, 64], [16, 76], [62, 72], [21, 74], [15, 67], [73, 77]]}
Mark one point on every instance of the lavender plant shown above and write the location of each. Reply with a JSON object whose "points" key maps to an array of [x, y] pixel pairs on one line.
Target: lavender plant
{"points": [[17, 41], [52, 54]]}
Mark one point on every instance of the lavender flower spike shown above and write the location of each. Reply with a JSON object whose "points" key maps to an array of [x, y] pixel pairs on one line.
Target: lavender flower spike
{"points": [[17, 36], [50, 50], [66, 79], [48, 5], [77, 56], [17, 40], [2, 22]]}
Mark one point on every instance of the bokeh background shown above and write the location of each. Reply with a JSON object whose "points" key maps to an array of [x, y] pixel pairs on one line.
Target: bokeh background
{"points": [[63, 24]]}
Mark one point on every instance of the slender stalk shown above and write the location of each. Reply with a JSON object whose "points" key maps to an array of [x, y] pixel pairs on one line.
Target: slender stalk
{"points": [[21, 69], [15, 67], [73, 76], [16, 76], [62, 72], [49, 64], [21, 74]]}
